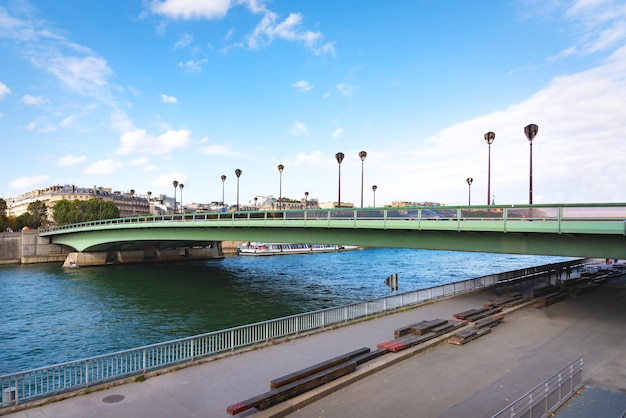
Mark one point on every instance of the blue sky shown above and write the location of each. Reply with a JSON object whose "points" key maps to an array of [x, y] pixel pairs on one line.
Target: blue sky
{"points": [[133, 94]]}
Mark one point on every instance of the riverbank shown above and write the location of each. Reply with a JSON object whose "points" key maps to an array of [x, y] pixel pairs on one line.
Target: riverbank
{"points": [[475, 379]]}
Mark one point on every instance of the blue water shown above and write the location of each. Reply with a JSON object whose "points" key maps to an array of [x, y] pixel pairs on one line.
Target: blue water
{"points": [[50, 315]]}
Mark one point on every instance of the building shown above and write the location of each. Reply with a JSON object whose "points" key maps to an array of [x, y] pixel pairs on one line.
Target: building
{"points": [[128, 203]]}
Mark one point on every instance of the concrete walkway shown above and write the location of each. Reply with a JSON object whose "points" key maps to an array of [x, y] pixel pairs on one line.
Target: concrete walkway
{"points": [[474, 380]]}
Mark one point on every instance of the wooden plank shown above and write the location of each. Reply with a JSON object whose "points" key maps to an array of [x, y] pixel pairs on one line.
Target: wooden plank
{"points": [[406, 330], [426, 327], [307, 371], [490, 321], [463, 315], [370, 356], [484, 314], [292, 389]]}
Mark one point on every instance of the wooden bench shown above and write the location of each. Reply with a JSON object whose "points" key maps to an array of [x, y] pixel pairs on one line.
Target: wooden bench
{"points": [[468, 335], [308, 371], [292, 389], [490, 321]]}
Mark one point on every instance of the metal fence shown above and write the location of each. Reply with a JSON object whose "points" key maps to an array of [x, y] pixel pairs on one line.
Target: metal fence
{"points": [[548, 396], [65, 377]]}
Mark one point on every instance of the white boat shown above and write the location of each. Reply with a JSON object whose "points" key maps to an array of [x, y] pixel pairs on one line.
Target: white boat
{"points": [[278, 248]]}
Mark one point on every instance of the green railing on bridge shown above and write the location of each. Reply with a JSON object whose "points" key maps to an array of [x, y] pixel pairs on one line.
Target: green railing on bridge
{"points": [[604, 218]]}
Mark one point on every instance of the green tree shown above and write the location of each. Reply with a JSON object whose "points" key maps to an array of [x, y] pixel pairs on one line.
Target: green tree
{"points": [[36, 215], [66, 212], [4, 221]]}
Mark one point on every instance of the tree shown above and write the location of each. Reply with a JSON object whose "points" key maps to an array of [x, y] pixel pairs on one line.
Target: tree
{"points": [[36, 215], [66, 212], [4, 221]]}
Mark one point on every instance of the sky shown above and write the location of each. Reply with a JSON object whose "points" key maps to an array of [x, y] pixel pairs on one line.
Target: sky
{"points": [[134, 94]]}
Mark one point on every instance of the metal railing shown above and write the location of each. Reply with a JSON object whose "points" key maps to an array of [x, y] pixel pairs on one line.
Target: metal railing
{"points": [[549, 395], [605, 213], [65, 377]]}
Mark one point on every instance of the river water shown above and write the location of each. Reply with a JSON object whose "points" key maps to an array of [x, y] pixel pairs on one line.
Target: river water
{"points": [[51, 315]]}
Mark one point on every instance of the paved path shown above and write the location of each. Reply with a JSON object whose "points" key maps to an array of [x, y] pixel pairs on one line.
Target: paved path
{"points": [[476, 379]]}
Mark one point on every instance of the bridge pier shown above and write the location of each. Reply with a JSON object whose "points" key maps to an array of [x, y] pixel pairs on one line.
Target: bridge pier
{"points": [[148, 255]]}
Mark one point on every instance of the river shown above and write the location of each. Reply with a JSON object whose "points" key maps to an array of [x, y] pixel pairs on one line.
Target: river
{"points": [[51, 315]]}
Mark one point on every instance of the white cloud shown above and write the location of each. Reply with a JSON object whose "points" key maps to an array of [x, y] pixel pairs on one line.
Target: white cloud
{"points": [[29, 183], [139, 141], [184, 41], [302, 85], [299, 128], [337, 133], [102, 167], [69, 160], [193, 66], [215, 149], [120, 121], [345, 89], [33, 100], [4, 90], [168, 99], [190, 9], [139, 161], [165, 181], [86, 75]]}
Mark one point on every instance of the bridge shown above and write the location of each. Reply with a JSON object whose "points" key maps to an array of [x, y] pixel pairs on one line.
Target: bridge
{"points": [[576, 230]]}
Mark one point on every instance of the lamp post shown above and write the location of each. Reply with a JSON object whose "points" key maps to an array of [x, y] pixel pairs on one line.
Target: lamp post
{"points": [[362, 156], [339, 156], [531, 132], [182, 208], [238, 174], [132, 201], [223, 177], [149, 200], [256, 199], [489, 138], [374, 187], [469, 181], [175, 183], [306, 200], [280, 187]]}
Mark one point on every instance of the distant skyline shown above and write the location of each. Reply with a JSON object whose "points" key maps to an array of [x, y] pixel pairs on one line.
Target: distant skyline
{"points": [[134, 94]]}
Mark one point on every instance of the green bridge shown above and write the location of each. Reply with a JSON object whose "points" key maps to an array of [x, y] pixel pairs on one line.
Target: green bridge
{"points": [[577, 230]]}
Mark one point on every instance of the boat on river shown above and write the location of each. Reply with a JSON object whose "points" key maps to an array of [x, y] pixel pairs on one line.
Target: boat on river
{"points": [[278, 248]]}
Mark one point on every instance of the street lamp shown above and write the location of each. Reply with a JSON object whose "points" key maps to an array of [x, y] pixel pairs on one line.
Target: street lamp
{"points": [[362, 156], [175, 183], [531, 132], [306, 200], [339, 156], [238, 174], [182, 208], [132, 201], [223, 177], [149, 199], [489, 138], [374, 187], [469, 181], [280, 187]]}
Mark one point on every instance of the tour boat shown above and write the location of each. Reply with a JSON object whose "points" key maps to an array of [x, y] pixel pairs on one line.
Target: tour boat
{"points": [[276, 248]]}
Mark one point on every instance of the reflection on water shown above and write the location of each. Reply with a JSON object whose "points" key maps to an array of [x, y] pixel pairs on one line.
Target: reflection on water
{"points": [[51, 315]]}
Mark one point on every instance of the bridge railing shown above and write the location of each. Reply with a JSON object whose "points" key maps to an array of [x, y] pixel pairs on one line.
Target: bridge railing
{"points": [[47, 381], [559, 214]]}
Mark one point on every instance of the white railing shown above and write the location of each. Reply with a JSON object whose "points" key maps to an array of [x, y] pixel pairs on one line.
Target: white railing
{"points": [[65, 377], [549, 395]]}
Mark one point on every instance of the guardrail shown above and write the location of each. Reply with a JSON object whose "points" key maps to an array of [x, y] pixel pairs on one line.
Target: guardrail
{"points": [[547, 396], [47, 381], [560, 214]]}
